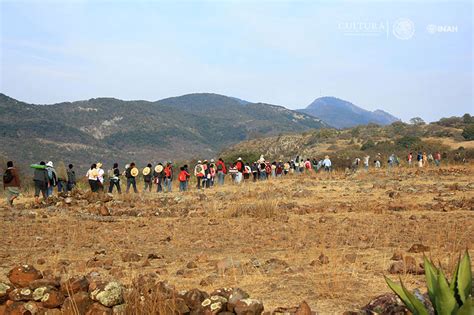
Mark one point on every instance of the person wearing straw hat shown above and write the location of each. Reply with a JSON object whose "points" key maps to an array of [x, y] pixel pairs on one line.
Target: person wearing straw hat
{"points": [[100, 176], [147, 178], [130, 173], [158, 175], [114, 179], [92, 175]]}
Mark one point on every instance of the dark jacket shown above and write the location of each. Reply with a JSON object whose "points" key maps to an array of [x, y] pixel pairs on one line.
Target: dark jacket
{"points": [[71, 176], [41, 175], [15, 182]]}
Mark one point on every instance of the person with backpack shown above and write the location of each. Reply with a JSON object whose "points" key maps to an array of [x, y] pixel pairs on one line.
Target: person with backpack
{"points": [[131, 181], [247, 171], [62, 177], [158, 175], [40, 178], [183, 178], [92, 176], [11, 183], [147, 178], [240, 166], [221, 171], [254, 168], [52, 176], [307, 165], [268, 170], [168, 171], [207, 174], [327, 164], [279, 169], [212, 171], [114, 179], [71, 178], [199, 173]]}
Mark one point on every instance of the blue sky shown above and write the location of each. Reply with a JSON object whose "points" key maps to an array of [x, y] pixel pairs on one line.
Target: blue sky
{"points": [[280, 52]]}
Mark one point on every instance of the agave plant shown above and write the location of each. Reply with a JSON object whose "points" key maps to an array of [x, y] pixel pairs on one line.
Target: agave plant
{"points": [[447, 298]]}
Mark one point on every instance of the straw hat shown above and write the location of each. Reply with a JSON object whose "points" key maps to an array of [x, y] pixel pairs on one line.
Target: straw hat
{"points": [[99, 165], [146, 171], [95, 172], [159, 168], [134, 172]]}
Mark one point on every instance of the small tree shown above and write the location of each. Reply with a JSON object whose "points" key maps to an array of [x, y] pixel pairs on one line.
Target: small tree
{"points": [[467, 119], [369, 144], [417, 121], [468, 132]]}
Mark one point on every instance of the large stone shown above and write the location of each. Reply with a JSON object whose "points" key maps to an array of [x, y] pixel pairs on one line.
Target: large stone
{"points": [[74, 285], [303, 309], [22, 275], [16, 308], [387, 303], [248, 307], [52, 298], [21, 294], [407, 265], [109, 295], [213, 305], [194, 298], [44, 283], [80, 301], [236, 295]]}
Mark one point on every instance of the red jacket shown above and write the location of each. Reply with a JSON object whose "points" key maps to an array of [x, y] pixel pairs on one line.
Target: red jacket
{"points": [[183, 176], [240, 166], [222, 164]]}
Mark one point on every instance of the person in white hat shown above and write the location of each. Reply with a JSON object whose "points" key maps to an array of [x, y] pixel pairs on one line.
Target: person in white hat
{"points": [[53, 178], [240, 169]]}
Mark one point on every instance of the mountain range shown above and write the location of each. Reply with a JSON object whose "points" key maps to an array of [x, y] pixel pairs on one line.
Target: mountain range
{"points": [[343, 114], [109, 129]]}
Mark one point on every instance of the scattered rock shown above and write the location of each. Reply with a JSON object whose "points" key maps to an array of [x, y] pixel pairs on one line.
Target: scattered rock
{"points": [[131, 257], [387, 303], [194, 298], [77, 303], [22, 275], [397, 255], [418, 248], [99, 309], [191, 265], [109, 295], [248, 307], [323, 259], [74, 285]]}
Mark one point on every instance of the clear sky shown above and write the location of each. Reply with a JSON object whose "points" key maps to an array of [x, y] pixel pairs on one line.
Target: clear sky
{"points": [[410, 58]]}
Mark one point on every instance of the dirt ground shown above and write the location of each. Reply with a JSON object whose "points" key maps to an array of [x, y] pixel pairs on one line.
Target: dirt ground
{"points": [[324, 239]]}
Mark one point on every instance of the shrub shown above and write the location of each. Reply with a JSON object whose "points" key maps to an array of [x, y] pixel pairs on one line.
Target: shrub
{"points": [[446, 298], [369, 144], [408, 141], [468, 132]]}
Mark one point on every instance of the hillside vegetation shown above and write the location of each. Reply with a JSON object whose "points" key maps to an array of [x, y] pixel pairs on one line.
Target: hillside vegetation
{"points": [[345, 145]]}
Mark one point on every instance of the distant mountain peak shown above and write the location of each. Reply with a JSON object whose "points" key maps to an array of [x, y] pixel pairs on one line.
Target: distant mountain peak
{"points": [[340, 113]]}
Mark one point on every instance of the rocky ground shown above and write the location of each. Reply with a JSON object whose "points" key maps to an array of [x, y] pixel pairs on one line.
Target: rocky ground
{"points": [[324, 240]]}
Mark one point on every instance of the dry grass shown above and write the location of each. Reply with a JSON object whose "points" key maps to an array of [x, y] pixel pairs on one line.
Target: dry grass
{"points": [[283, 224]]}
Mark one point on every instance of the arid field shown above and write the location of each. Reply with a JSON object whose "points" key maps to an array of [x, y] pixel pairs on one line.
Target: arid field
{"points": [[325, 239]]}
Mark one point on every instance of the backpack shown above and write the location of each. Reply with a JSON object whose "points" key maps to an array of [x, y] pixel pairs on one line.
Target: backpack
{"points": [[182, 177], [8, 176], [268, 169], [199, 168]]}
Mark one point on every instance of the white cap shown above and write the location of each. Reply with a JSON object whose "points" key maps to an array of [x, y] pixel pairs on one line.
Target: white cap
{"points": [[212, 160], [199, 162], [50, 164], [239, 159]]}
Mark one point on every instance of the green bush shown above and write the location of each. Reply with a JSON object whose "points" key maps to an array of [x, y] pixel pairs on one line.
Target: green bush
{"points": [[369, 144], [468, 132], [408, 141]]}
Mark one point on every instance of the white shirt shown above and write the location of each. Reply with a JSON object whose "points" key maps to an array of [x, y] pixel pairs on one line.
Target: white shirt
{"points": [[327, 162], [101, 175]]}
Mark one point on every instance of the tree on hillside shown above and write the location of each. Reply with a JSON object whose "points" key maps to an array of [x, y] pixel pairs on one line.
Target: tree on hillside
{"points": [[468, 132], [467, 119], [417, 121]]}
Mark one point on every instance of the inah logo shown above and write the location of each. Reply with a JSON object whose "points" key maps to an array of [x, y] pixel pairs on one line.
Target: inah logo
{"points": [[403, 28], [432, 28]]}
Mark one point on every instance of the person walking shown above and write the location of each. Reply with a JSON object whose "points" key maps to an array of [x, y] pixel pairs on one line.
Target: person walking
{"points": [[114, 179], [183, 178], [11, 183], [100, 177], [437, 158], [41, 180], [71, 178], [158, 174], [221, 171], [199, 173], [147, 178], [52, 176], [131, 181], [327, 164], [62, 177], [92, 176], [168, 176]]}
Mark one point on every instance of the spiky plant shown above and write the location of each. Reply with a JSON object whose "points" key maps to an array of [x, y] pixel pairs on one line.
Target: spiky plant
{"points": [[447, 298]]}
